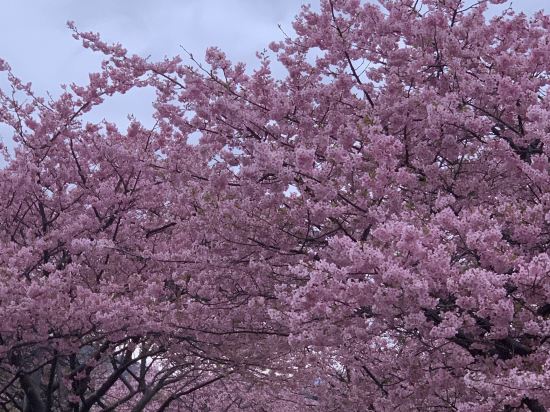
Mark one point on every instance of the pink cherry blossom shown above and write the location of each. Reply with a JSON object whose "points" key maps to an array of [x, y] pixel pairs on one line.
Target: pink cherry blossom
{"points": [[368, 233]]}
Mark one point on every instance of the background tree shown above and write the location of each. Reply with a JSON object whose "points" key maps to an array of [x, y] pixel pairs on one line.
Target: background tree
{"points": [[369, 233]]}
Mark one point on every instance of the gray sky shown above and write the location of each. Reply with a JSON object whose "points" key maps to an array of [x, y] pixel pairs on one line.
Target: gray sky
{"points": [[36, 43]]}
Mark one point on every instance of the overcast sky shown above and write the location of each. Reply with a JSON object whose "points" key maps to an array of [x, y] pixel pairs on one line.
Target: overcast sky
{"points": [[36, 43]]}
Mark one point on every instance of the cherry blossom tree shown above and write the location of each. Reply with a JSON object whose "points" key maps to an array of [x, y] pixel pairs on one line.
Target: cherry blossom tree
{"points": [[368, 233]]}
